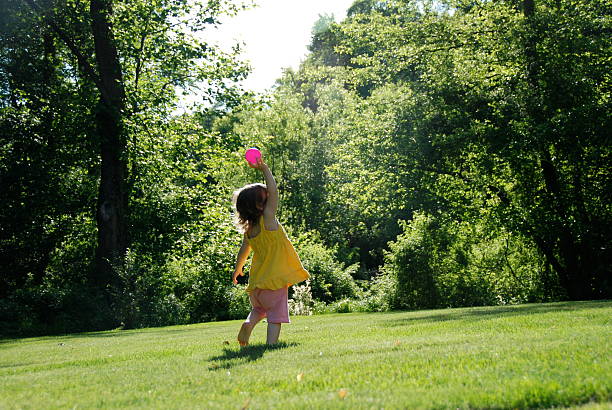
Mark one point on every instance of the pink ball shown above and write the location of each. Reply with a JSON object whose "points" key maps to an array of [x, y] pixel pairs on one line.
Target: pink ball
{"points": [[252, 154]]}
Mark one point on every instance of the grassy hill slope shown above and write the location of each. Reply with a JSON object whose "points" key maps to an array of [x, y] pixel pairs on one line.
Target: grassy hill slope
{"points": [[536, 356]]}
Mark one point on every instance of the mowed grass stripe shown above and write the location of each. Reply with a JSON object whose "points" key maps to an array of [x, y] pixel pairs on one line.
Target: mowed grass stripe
{"points": [[536, 356]]}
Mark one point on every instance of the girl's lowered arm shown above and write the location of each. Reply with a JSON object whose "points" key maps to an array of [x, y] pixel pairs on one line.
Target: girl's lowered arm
{"points": [[243, 254]]}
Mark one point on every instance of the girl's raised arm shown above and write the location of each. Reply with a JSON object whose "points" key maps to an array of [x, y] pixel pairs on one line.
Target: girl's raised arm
{"points": [[272, 201]]}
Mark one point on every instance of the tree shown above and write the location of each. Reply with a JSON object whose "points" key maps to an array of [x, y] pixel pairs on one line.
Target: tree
{"points": [[113, 196], [576, 143], [113, 64], [512, 107], [490, 112]]}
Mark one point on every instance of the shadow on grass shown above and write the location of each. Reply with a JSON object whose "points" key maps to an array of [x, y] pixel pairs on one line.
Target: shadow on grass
{"points": [[250, 353], [490, 312]]}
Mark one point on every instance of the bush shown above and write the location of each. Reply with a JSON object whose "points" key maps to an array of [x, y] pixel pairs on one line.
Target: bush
{"points": [[202, 289], [239, 304], [330, 279], [441, 263], [376, 297], [373, 297], [142, 297], [188, 284], [409, 263]]}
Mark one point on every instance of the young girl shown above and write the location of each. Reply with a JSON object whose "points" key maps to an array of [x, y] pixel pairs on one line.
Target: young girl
{"points": [[275, 266]]}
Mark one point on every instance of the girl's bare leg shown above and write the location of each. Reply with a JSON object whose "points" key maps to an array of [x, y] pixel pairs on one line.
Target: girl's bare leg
{"points": [[245, 332], [273, 333]]}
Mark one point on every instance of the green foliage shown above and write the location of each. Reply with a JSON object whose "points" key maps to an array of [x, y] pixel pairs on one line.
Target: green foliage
{"points": [[374, 295], [408, 262], [140, 300], [330, 278], [494, 106], [239, 304], [48, 173], [202, 289], [50, 163], [436, 262], [483, 114], [483, 125]]}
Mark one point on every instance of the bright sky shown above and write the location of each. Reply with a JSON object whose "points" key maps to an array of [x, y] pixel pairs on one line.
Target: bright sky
{"points": [[276, 34]]}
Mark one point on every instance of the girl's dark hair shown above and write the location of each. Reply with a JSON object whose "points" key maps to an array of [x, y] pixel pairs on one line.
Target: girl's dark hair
{"points": [[249, 202]]}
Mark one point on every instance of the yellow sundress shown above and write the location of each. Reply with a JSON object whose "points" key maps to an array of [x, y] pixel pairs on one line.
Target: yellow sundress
{"points": [[275, 262]]}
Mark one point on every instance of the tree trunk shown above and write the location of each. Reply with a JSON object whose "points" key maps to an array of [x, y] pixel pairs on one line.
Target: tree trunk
{"points": [[112, 199], [570, 270]]}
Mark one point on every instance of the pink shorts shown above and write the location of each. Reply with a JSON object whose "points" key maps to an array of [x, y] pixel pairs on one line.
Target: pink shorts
{"points": [[272, 304]]}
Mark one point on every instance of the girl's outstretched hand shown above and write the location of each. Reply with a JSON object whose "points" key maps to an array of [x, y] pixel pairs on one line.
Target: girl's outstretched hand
{"points": [[260, 165]]}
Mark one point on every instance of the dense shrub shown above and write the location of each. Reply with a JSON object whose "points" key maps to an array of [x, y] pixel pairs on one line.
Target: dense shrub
{"points": [[190, 281], [444, 263], [373, 296], [330, 278], [239, 306]]}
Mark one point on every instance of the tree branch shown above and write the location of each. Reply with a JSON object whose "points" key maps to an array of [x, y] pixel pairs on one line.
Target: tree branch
{"points": [[138, 69], [508, 261], [87, 68]]}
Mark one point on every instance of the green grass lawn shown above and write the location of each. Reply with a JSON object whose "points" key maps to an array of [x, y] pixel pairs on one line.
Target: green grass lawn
{"points": [[528, 356]]}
